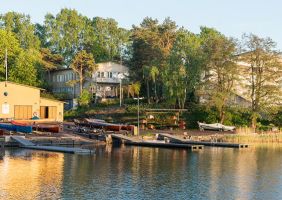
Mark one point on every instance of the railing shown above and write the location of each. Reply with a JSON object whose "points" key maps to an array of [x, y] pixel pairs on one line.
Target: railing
{"points": [[107, 80]]}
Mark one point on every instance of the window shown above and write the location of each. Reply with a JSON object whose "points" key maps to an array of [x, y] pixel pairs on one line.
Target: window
{"points": [[102, 75], [98, 74], [110, 75]]}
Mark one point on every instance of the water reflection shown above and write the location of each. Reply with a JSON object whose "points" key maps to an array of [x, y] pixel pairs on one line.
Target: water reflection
{"points": [[31, 175], [143, 173]]}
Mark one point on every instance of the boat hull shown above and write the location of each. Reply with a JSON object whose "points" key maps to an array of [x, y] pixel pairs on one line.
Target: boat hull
{"points": [[215, 127], [16, 128]]}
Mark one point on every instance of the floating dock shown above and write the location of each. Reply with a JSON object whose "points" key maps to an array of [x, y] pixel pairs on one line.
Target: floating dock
{"points": [[137, 142], [176, 139], [164, 144], [124, 138], [24, 143]]}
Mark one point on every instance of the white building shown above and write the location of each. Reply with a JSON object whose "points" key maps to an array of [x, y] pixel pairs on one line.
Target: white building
{"points": [[106, 80], [104, 83]]}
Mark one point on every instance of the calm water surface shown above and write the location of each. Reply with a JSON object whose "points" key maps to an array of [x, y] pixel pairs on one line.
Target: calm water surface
{"points": [[142, 173]]}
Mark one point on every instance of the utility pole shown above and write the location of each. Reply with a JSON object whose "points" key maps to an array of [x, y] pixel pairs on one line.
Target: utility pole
{"points": [[138, 113], [120, 77], [6, 67], [138, 116], [120, 96], [6, 64]]}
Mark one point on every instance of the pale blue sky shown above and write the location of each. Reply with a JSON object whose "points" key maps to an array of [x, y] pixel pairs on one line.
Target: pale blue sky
{"points": [[232, 18]]}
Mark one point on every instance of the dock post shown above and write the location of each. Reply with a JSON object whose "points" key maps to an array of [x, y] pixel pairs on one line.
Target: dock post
{"points": [[109, 139], [2, 143]]}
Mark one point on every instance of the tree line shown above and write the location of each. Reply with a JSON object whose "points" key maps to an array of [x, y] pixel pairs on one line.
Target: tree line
{"points": [[174, 66]]}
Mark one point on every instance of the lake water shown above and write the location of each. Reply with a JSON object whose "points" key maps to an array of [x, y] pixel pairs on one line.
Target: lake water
{"points": [[142, 173]]}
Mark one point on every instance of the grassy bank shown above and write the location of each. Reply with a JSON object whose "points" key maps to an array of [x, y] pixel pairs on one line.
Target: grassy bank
{"points": [[254, 138]]}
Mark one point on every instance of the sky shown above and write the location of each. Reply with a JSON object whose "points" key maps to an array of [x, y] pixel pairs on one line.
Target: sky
{"points": [[231, 17]]}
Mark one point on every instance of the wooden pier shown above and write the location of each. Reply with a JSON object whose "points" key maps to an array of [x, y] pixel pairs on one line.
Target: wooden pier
{"points": [[24, 143], [164, 145], [124, 138], [176, 139], [137, 142]]}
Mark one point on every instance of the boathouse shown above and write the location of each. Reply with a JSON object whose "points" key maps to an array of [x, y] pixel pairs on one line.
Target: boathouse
{"points": [[23, 102]]}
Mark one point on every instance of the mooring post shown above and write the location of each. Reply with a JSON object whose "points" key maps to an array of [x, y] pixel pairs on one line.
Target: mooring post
{"points": [[2, 143]]}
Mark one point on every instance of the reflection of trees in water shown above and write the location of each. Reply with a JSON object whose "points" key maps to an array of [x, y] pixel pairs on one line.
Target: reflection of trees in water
{"points": [[143, 173], [240, 174], [124, 167]]}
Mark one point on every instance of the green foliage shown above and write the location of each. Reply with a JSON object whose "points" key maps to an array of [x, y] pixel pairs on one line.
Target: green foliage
{"points": [[234, 116], [171, 66], [277, 119], [49, 60], [108, 40], [8, 41], [151, 46], [220, 67], [24, 70], [84, 65], [47, 95], [70, 32], [66, 33], [263, 73], [84, 98], [182, 73], [21, 63], [21, 25], [134, 89], [199, 113]]}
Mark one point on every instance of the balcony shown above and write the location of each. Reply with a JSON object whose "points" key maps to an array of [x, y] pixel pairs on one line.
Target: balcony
{"points": [[106, 80]]}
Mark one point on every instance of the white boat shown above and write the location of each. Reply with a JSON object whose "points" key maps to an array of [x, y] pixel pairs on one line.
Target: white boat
{"points": [[215, 127], [228, 128]]}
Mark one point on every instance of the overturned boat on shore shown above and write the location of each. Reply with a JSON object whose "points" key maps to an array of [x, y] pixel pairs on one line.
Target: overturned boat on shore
{"points": [[215, 127], [38, 126], [16, 127], [102, 124]]}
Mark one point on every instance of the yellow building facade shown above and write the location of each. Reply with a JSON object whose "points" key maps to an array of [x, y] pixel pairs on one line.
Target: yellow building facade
{"points": [[22, 102]]}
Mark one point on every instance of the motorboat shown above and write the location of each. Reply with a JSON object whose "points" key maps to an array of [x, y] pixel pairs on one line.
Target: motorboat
{"points": [[215, 127]]}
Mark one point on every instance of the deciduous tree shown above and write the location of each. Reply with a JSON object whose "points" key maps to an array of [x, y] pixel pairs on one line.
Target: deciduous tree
{"points": [[263, 71], [84, 65], [21, 25], [220, 68]]}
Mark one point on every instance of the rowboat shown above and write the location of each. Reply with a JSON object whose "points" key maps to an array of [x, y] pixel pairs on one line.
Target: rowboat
{"points": [[44, 127], [53, 128], [16, 128], [215, 127]]}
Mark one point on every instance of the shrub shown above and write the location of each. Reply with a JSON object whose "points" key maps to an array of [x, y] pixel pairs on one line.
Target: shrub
{"points": [[84, 98]]}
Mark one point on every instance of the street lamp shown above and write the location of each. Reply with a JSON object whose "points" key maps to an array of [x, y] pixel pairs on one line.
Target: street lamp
{"points": [[138, 113], [120, 77]]}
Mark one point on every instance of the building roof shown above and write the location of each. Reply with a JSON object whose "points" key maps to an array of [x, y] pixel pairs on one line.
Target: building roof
{"points": [[99, 65], [52, 99], [14, 83], [61, 69]]}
